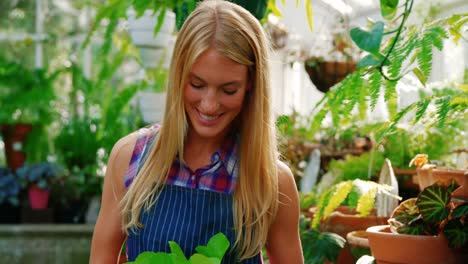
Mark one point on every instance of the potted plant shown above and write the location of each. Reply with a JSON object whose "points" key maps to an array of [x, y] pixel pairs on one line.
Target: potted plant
{"points": [[393, 49], [330, 220], [325, 70], [37, 178], [9, 193], [428, 229], [27, 99]]}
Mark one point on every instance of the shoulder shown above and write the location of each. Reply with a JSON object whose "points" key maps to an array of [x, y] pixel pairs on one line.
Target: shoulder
{"points": [[285, 176], [123, 149]]}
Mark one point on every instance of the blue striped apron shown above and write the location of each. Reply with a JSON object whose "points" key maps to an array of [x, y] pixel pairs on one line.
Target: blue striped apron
{"points": [[187, 216]]}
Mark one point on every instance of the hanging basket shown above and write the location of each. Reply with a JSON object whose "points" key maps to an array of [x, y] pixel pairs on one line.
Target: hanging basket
{"points": [[325, 74], [153, 49]]}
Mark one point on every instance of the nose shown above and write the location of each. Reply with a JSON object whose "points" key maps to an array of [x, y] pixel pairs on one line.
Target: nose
{"points": [[209, 102]]}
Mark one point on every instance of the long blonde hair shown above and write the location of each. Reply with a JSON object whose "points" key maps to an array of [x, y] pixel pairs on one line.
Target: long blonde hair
{"points": [[234, 32]]}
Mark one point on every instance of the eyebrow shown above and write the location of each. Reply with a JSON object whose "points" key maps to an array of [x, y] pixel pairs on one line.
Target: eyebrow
{"points": [[224, 84]]}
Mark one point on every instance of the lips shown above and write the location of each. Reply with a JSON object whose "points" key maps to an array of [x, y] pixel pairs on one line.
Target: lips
{"points": [[209, 118]]}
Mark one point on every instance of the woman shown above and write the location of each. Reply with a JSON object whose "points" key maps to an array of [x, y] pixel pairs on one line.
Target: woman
{"points": [[212, 166]]}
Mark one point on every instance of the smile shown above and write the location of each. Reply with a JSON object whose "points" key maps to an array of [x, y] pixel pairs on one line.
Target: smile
{"points": [[209, 117]]}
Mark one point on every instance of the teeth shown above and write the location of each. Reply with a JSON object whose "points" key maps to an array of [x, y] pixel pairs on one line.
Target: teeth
{"points": [[208, 118]]}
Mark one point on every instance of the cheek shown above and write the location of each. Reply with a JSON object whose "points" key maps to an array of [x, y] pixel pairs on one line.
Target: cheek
{"points": [[190, 95], [236, 103]]}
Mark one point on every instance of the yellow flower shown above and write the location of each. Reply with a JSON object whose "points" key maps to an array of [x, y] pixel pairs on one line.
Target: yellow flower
{"points": [[419, 160]]}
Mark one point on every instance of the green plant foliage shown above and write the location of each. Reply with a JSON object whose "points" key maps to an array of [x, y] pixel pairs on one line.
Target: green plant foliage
{"points": [[317, 246], [212, 253], [337, 194], [388, 8], [433, 213], [369, 40], [361, 167], [395, 48], [432, 203]]}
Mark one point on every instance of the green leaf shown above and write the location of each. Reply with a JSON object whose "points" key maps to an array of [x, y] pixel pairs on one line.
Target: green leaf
{"points": [[151, 257], [369, 40], [200, 259], [388, 8], [321, 246], [432, 203], [460, 211], [420, 76], [457, 233], [177, 252], [368, 60], [216, 247]]}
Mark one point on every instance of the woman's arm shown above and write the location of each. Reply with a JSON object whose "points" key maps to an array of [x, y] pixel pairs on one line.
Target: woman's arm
{"points": [[284, 243], [108, 236]]}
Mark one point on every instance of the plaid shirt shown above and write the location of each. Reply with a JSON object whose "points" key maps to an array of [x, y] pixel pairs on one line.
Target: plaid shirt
{"points": [[218, 176]]}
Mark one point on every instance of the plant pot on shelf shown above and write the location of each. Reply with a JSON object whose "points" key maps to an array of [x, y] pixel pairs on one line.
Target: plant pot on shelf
{"points": [[387, 247], [153, 49], [152, 106], [343, 221], [325, 74], [14, 136], [426, 177], [358, 244], [38, 197]]}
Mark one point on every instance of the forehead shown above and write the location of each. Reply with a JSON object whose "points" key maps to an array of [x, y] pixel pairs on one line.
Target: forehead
{"points": [[214, 66]]}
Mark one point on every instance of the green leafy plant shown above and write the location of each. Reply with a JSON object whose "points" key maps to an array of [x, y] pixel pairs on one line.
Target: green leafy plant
{"points": [[357, 193], [26, 96], [9, 187], [433, 213], [318, 246], [393, 52], [115, 10], [41, 174], [212, 253]]}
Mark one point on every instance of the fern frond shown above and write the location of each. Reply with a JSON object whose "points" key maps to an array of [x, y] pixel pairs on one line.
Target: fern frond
{"points": [[443, 108], [375, 81], [424, 56], [436, 35], [324, 199], [455, 24], [340, 193], [366, 202], [354, 93], [362, 103], [421, 108]]}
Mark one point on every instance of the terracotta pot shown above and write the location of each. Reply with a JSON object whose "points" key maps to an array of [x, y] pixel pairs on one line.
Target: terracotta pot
{"points": [[325, 74], [14, 137], [38, 197], [358, 244], [342, 221], [387, 247], [426, 177]]}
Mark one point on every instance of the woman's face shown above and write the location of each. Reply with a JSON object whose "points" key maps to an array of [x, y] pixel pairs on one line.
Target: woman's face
{"points": [[214, 94]]}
